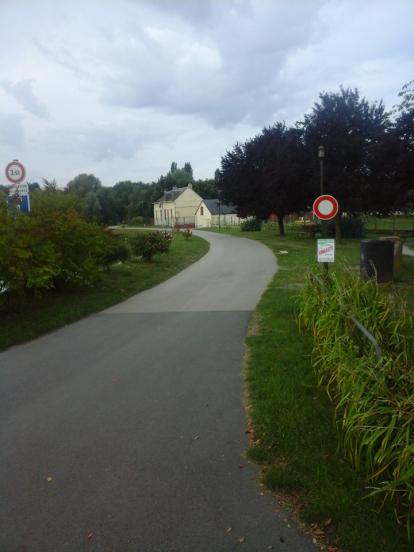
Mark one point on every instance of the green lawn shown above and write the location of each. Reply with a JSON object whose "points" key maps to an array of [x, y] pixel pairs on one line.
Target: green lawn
{"points": [[33, 317], [389, 224], [294, 434]]}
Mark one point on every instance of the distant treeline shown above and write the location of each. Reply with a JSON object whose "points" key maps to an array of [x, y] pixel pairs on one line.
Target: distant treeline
{"points": [[116, 204]]}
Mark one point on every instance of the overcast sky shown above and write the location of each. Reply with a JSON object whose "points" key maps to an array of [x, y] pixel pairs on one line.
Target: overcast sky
{"points": [[121, 88]]}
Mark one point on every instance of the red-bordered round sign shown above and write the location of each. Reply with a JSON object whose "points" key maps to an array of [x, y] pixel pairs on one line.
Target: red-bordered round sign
{"points": [[15, 172], [325, 207]]}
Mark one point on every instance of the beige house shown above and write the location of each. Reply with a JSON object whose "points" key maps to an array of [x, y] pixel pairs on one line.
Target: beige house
{"points": [[211, 212], [177, 207]]}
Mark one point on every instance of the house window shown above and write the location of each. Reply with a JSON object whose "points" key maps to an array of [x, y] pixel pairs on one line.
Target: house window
{"points": [[202, 211]]}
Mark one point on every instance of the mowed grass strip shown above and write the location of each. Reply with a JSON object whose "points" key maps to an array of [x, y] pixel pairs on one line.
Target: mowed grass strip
{"points": [[32, 317], [295, 438]]}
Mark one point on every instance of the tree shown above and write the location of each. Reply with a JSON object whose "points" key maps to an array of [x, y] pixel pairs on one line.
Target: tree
{"points": [[106, 200], [33, 186], [404, 131], [49, 185], [207, 188], [82, 184], [352, 131], [266, 174], [188, 169], [176, 177], [93, 209]]}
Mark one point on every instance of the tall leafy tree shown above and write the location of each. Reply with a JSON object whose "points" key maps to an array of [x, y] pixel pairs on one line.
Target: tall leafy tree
{"points": [[188, 169], [108, 214], [93, 209], [83, 184], [352, 131], [207, 188], [266, 175], [404, 131]]}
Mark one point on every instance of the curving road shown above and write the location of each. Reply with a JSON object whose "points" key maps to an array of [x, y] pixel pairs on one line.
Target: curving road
{"points": [[125, 431]]}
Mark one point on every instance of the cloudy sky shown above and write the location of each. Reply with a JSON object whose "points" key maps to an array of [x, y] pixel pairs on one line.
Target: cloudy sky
{"points": [[120, 88]]}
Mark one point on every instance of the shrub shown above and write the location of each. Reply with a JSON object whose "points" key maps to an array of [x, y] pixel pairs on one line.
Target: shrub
{"points": [[374, 397], [251, 225], [351, 227], [187, 233], [136, 221], [118, 250], [28, 259], [50, 250], [81, 246], [148, 244]]}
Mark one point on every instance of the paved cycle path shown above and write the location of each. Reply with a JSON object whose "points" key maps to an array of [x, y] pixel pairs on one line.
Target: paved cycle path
{"points": [[125, 431]]}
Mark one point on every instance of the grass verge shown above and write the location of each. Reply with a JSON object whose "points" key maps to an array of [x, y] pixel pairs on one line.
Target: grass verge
{"points": [[294, 434], [35, 316]]}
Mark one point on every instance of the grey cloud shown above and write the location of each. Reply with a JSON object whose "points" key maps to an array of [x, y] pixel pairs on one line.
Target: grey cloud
{"points": [[22, 91], [11, 131], [100, 142], [226, 75]]}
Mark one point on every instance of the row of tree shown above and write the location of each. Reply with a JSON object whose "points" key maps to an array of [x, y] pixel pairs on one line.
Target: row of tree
{"points": [[368, 164], [120, 203]]}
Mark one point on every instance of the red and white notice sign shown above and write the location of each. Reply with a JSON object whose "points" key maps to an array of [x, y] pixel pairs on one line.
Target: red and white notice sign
{"points": [[326, 251]]}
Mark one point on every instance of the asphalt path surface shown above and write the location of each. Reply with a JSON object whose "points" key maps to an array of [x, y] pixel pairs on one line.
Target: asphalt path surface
{"points": [[126, 430]]}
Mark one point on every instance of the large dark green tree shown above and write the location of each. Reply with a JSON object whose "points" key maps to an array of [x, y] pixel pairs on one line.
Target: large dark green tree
{"points": [[404, 159], [267, 175], [354, 133]]}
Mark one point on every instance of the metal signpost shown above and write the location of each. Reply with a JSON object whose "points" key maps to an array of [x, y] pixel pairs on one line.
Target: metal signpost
{"points": [[19, 192], [325, 207]]}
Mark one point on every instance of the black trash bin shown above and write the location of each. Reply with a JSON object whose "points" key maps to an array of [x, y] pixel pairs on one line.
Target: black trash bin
{"points": [[377, 260]]}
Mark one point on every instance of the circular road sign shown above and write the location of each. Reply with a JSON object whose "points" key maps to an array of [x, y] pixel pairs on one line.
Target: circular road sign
{"points": [[15, 172], [325, 207]]}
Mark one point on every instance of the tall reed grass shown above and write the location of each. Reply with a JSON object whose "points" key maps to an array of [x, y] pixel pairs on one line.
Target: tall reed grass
{"points": [[373, 397]]}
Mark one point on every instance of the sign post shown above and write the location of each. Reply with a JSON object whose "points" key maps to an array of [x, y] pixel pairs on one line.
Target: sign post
{"points": [[325, 207], [19, 192]]}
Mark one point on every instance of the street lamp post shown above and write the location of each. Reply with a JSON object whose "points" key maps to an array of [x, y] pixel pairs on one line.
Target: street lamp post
{"points": [[324, 228], [219, 207], [321, 155]]}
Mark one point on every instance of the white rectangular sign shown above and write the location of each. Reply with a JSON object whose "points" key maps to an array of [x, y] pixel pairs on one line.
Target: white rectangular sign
{"points": [[326, 251], [20, 189]]}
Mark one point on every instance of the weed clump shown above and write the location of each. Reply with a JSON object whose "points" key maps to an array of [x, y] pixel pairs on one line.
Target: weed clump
{"points": [[373, 395]]}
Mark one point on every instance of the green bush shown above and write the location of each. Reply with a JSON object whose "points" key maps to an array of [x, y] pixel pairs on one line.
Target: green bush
{"points": [[351, 227], [81, 246], [148, 244], [50, 250], [374, 397], [28, 259], [118, 250], [136, 221], [251, 225]]}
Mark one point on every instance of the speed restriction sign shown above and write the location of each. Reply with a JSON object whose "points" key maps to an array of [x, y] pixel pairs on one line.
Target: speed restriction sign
{"points": [[15, 172]]}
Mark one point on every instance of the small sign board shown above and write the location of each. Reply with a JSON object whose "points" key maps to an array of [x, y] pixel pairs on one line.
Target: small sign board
{"points": [[326, 250], [19, 198], [19, 189]]}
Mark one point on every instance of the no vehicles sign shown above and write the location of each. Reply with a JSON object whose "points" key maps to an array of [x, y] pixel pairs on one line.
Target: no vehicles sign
{"points": [[326, 251]]}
